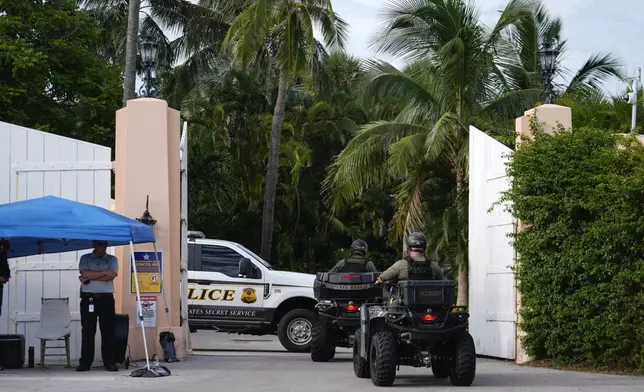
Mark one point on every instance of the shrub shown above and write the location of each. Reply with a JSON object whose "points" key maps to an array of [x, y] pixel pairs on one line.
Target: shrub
{"points": [[581, 260]]}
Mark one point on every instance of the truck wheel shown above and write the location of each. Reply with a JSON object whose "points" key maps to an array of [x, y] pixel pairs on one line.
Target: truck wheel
{"points": [[294, 330], [464, 366], [322, 349], [360, 365], [383, 359]]}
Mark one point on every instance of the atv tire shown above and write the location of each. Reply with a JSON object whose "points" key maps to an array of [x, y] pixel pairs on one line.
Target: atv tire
{"points": [[322, 349], [464, 365], [383, 359], [441, 369], [360, 365]]}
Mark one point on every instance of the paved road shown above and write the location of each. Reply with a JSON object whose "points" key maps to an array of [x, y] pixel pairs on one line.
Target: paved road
{"points": [[269, 371]]}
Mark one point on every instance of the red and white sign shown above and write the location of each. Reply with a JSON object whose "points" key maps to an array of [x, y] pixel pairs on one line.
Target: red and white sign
{"points": [[149, 308]]}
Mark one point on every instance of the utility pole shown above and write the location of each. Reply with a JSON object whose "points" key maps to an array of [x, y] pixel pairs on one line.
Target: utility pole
{"points": [[632, 97]]}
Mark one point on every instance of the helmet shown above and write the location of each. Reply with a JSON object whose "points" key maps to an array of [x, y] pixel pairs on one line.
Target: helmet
{"points": [[359, 246], [417, 240]]}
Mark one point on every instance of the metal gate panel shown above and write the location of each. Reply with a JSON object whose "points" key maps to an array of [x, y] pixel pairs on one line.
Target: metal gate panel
{"points": [[35, 164], [491, 254]]}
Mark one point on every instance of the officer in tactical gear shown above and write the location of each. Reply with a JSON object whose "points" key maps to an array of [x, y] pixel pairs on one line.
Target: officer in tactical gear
{"points": [[415, 266], [357, 262]]}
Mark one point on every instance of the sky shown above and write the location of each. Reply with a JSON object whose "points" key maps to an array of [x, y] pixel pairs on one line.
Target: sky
{"points": [[589, 26]]}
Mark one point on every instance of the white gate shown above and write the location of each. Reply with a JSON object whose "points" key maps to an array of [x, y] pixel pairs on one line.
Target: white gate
{"points": [[492, 301], [35, 164]]}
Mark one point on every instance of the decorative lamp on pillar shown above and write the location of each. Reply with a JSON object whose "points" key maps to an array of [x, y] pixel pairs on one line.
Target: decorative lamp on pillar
{"points": [[548, 55], [146, 218], [148, 53]]}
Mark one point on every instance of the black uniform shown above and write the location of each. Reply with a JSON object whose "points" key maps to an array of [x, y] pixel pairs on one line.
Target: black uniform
{"points": [[5, 272]]}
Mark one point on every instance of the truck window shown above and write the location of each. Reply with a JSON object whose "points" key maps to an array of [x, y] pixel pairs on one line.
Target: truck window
{"points": [[215, 258]]}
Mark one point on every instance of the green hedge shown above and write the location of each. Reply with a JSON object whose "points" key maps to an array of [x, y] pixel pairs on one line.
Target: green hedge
{"points": [[581, 261]]}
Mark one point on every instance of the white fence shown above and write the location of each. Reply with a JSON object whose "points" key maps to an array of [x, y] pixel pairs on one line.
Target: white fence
{"points": [[35, 164], [492, 297]]}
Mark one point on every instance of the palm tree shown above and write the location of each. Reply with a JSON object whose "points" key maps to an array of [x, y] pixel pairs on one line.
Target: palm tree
{"points": [[521, 64], [452, 81], [196, 25], [284, 29], [129, 74]]}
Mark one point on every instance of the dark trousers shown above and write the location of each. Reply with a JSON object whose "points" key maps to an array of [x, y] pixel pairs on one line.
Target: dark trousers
{"points": [[105, 313], [1, 294]]}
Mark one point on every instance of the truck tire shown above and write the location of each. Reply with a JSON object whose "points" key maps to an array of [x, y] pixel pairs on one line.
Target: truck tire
{"points": [[360, 365], [294, 330], [383, 359], [464, 366], [322, 348]]}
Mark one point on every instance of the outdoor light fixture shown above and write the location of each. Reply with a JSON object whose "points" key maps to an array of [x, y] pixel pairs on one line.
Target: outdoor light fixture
{"points": [[148, 52], [548, 56], [146, 218]]}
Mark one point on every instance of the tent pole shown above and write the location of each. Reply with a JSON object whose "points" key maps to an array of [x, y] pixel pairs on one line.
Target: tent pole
{"points": [[138, 305], [165, 301]]}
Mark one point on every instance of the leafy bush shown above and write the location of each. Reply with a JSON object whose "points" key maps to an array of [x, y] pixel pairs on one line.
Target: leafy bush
{"points": [[581, 259]]}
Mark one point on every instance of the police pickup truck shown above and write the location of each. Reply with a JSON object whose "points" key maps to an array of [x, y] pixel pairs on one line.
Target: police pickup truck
{"points": [[231, 289]]}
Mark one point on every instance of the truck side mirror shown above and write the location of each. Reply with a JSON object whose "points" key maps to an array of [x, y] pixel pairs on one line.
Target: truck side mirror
{"points": [[245, 267]]}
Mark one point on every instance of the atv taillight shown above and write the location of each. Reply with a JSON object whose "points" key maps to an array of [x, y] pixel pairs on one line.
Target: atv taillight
{"points": [[351, 308], [429, 317]]}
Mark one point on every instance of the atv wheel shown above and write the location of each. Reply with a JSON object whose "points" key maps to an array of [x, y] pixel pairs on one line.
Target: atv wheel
{"points": [[441, 369], [383, 359], [294, 330], [360, 365], [464, 366], [322, 349]]}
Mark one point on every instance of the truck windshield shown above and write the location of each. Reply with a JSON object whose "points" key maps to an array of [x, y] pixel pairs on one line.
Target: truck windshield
{"points": [[270, 267]]}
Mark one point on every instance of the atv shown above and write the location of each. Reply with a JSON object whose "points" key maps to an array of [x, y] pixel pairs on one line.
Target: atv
{"points": [[417, 326], [337, 314]]}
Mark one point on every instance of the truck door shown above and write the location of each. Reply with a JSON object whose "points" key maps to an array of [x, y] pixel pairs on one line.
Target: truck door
{"points": [[217, 295]]}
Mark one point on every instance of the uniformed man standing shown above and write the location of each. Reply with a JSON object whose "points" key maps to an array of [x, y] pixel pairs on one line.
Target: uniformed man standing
{"points": [[414, 267], [356, 262], [97, 272]]}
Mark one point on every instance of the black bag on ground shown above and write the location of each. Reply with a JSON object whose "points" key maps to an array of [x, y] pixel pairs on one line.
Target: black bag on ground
{"points": [[166, 339]]}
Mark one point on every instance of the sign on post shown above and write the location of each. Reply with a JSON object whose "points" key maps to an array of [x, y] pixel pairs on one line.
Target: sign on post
{"points": [[149, 270], [149, 308]]}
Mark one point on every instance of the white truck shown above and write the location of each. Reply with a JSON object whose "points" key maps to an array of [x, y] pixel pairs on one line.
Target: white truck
{"points": [[231, 289]]}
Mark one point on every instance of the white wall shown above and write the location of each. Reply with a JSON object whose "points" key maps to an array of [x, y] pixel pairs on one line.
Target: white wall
{"points": [[492, 302], [35, 164]]}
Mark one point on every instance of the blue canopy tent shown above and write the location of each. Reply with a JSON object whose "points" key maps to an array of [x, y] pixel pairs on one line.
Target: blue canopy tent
{"points": [[52, 225]]}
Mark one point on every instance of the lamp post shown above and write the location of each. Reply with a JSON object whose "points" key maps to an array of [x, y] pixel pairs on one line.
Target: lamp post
{"points": [[148, 52], [548, 56]]}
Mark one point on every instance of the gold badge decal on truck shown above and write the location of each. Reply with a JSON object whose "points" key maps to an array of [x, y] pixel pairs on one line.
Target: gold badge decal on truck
{"points": [[248, 296]]}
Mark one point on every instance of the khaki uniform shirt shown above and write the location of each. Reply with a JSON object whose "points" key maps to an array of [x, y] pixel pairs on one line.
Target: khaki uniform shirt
{"points": [[400, 271], [359, 263]]}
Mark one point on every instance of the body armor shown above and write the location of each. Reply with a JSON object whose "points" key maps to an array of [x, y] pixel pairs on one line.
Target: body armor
{"points": [[420, 268], [354, 264]]}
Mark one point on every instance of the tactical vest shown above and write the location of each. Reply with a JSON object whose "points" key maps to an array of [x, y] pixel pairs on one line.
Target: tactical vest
{"points": [[420, 269], [354, 264]]}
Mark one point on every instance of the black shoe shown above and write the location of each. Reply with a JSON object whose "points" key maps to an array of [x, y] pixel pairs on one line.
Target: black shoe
{"points": [[82, 368], [111, 368], [1, 368]]}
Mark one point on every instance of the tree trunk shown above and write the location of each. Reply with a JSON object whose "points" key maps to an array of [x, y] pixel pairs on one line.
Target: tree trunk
{"points": [[270, 189], [461, 249], [129, 75]]}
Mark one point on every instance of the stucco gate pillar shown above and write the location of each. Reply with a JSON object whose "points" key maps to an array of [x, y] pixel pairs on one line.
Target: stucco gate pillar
{"points": [[147, 163], [549, 117]]}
